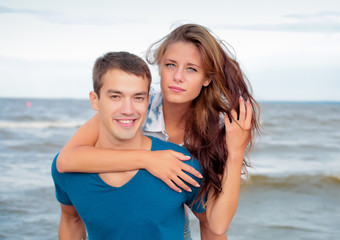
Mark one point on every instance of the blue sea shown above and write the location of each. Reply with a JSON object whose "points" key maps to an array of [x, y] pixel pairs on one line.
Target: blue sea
{"points": [[292, 191]]}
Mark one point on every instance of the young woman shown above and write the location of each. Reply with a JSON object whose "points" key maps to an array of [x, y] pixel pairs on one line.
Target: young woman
{"points": [[206, 105]]}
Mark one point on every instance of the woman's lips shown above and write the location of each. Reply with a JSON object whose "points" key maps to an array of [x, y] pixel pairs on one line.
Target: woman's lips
{"points": [[176, 89]]}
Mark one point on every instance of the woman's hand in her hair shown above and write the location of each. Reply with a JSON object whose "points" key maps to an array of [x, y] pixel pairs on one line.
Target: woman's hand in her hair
{"points": [[238, 129], [167, 165]]}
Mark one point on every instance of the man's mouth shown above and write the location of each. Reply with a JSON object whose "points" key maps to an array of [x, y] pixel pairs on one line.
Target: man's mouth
{"points": [[126, 122]]}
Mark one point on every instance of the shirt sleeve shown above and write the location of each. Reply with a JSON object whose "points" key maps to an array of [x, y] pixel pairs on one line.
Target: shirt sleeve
{"points": [[58, 178]]}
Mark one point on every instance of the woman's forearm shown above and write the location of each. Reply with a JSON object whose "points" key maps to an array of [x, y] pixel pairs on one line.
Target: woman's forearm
{"points": [[93, 160], [220, 211], [80, 155]]}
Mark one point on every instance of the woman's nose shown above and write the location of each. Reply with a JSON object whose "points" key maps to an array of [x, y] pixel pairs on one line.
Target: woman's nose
{"points": [[178, 75]]}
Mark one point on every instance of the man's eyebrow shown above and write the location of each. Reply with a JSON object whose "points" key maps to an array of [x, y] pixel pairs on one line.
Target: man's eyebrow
{"points": [[141, 93], [113, 91], [110, 91]]}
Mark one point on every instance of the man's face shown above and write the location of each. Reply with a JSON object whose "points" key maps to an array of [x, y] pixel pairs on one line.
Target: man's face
{"points": [[122, 105]]}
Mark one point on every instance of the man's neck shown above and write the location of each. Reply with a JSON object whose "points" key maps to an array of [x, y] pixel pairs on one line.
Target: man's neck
{"points": [[138, 143]]}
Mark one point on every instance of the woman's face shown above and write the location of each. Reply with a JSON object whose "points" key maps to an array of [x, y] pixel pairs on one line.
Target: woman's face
{"points": [[182, 74]]}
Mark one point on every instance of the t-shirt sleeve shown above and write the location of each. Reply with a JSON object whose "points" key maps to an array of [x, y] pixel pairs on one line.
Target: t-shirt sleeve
{"points": [[195, 204], [59, 185]]}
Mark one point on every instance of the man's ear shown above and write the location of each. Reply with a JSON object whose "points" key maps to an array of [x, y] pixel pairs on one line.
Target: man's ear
{"points": [[94, 100]]}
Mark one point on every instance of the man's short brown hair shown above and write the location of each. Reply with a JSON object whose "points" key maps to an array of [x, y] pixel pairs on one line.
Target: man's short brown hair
{"points": [[124, 61]]}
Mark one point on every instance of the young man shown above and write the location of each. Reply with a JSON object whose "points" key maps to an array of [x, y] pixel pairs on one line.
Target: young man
{"points": [[130, 204]]}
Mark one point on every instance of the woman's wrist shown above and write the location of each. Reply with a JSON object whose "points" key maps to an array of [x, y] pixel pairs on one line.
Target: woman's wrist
{"points": [[235, 156], [144, 159]]}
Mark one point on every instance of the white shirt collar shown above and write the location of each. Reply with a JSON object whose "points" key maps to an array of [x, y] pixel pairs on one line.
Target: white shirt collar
{"points": [[154, 124]]}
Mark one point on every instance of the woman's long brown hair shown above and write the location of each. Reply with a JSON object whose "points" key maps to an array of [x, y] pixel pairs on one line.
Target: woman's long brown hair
{"points": [[204, 136]]}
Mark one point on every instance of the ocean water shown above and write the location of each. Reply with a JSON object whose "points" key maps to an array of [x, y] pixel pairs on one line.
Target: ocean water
{"points": [[292, 192]]}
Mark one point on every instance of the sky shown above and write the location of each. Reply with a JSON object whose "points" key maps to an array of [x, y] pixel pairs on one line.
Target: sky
{"points": [[289, 50]]}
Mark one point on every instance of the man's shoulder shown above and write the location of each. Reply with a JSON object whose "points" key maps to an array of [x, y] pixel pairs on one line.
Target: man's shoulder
{"points": [[56, 175], [54, 169], [158, 144]]}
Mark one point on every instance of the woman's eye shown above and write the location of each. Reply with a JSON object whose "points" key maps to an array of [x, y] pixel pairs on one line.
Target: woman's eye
{"points": [[170, 65], [190, 69]]}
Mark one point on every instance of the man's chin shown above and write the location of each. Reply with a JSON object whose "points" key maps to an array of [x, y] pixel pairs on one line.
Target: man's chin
{"points": [[125, 136]]}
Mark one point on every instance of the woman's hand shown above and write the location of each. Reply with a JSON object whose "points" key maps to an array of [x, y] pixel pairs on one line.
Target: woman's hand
{"points": [[167, 165], [221, 210], [238, 129]]}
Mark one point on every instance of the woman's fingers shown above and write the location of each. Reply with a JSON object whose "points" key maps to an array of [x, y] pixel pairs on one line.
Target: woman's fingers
{"points": [[233, 115], [244, 117], [185, 166], [239, 129], [185, 177], [191, 170], [249, 115], [173, 171], [242, 114], [181, 184], [176, 182], [179, 177], [181, 156], [172, 185]]}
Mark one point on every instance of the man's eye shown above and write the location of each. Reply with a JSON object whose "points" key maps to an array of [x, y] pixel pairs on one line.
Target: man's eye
{"points": [[140, 98], [114, 96]]}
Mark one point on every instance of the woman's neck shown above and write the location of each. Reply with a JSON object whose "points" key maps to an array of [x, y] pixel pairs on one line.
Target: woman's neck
{"points": [[174, 119]]}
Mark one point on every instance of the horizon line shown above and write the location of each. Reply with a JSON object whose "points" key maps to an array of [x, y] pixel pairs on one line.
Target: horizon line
{"points": [[261, 100]]}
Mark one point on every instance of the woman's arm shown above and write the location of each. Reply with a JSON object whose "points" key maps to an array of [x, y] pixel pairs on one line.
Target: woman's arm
{"points": [[220, 211], [80, 155], [206, 233]]}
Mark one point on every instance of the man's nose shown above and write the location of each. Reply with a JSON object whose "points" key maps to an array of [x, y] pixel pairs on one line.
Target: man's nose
{"points": [[127, 107]]}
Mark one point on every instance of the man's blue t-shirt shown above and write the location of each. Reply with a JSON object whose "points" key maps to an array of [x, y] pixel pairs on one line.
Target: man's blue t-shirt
{"points": [[144, 208]]}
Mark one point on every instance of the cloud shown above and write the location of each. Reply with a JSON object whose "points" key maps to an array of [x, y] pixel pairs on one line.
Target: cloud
{"points": [[5, 10], [324, 16], [321, 22], [60, 18], [23, 10]]}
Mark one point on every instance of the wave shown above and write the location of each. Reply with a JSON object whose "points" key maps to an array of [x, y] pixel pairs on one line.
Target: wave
{"points": [[297, 181], [41, 124], [290, 228], [329, 142]]}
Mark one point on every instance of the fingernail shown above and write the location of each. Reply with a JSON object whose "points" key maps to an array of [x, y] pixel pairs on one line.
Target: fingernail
{"points": [[180, 191], [189, 190], [200, 176], [197, 185]]}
